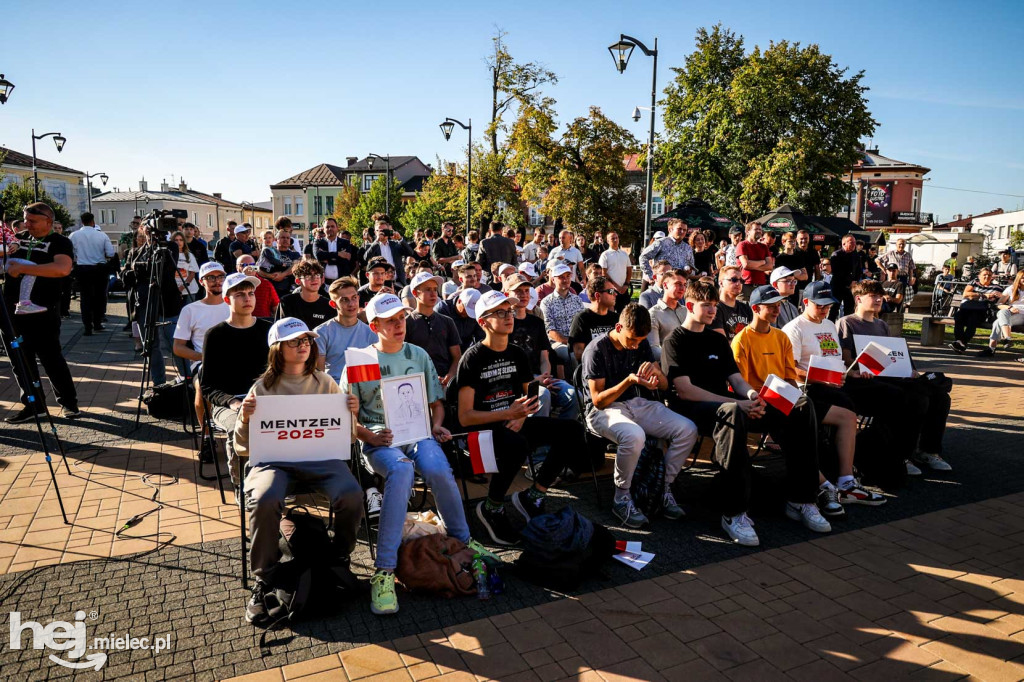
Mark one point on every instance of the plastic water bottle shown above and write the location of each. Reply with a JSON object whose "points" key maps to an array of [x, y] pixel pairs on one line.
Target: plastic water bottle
{"points": [[483, 590], [497, 584]]}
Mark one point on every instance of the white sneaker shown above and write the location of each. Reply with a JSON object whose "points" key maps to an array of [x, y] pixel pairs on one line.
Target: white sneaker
{"points": [[933, 461], [741, 529], [374, 499], [810, 516], [28, 308], [911, 469]]}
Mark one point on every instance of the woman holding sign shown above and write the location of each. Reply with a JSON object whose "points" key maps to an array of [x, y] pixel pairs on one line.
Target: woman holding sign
{"points": [[291, 371], [400, 437]]}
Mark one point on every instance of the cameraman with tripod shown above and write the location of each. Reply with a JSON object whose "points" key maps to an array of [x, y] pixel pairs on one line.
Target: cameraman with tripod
{"points": [[51, 256], [155, 265]]}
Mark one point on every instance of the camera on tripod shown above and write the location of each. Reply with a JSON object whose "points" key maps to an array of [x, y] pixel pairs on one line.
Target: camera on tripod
{"points": [[159, 224]]}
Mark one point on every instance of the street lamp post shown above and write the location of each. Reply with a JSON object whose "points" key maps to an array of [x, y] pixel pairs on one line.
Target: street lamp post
{"points": [[137, 202], [252, 208], [6, 88], [446, 130], [58, 140], [88, 186], [387, 176], [621, 51]]}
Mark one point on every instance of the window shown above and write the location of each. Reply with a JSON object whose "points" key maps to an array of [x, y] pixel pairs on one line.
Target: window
{"points": [[298, 205], [195, 217], [330, 205], [353, 180], [916, 206], [103, 216], [113, 216], [368, 181], [209, 220], [287, 206], [1000, 233], [535, 217], [657, 206], [318, 205]]}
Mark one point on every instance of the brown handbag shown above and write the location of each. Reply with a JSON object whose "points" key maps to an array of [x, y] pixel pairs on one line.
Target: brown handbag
{"points": [[436, 564]]}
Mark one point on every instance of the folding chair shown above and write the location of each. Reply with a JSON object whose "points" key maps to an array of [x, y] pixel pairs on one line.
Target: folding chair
{"points": [[208, 434], [577, 382]]}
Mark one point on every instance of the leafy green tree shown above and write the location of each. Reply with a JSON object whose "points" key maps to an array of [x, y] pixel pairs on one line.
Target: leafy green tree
{"points": [[579, 176], [376, 201], [16, 197], [344, 203], [442, 199], [748, 132], [1017, 240], [512, 84]]}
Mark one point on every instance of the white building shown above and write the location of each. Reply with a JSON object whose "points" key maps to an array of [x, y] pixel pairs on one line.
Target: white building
{"points": [[999, 227]]}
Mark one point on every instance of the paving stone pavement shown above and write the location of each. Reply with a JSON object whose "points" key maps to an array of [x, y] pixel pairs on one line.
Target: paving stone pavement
{"points": [[703, 607]]}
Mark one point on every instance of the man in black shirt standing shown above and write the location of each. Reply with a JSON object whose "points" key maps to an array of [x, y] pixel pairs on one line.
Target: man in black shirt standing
{"points": [[307, 304], [598, 319], [52, 256], [234, 356], [847, 268], [492, 382], [497, 248], [443, 251], [702, 369]]}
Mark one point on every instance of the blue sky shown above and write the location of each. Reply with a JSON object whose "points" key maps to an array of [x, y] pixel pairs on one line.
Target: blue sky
{"points": [[234, 96]]}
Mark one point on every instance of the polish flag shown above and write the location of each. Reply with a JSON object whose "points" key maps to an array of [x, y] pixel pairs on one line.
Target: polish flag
{"points": [[481, 452], [780, 394], [361, 364], [625, 546], [826, 370], [875, 357]]}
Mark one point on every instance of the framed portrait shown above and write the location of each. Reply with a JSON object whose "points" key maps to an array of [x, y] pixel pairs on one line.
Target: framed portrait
{"points": [[406, 411]]}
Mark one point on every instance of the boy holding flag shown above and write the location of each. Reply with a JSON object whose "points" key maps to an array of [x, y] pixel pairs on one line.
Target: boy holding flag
{"points": [[386, 316]]}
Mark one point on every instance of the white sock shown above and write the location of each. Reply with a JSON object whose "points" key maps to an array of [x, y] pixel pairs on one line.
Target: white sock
{"points": [[827, 485], [845, 482]]}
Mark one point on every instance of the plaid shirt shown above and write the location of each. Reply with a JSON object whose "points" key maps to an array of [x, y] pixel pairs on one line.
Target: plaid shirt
{"points": [[679, 255], [558, 311], [903, 261]]}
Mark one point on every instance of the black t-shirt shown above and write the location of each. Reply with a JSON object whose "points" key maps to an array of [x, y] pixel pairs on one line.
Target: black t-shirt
{"points": [[496, 378], [704, 261], [365, 294], [246, 248], [46, 291], [233, 359], [313, 314], [588, 325], [435, 334], [529, 334], [793, 261], [601, 360], [732, 319], [705, 357], [469, 329]]}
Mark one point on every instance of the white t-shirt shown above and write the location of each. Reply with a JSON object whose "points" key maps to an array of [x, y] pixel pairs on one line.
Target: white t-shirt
{"points": [[196, 318], [331, 271], [616, 263], [811, 339], [1019, 303], [530, 252], [185, 266], [570, 256]]}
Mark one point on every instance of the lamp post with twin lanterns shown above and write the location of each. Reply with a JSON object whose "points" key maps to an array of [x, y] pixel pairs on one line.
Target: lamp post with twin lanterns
{"points": [[6, 88], [88, 185], [58, 140], [446, 129], [621, 52], [387, 177]]}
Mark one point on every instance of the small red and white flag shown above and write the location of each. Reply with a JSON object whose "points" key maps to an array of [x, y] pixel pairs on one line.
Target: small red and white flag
{"points": [[780, 394], [627, 546], [361, 364], [875, 357], [826, 370], [481, 452]]}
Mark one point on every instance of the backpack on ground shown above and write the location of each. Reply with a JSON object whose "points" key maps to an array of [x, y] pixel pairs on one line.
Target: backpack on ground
{"points": [[562, 549], [310, 578], [648, 487], [166, 401], [876, 460], [436, 564]]}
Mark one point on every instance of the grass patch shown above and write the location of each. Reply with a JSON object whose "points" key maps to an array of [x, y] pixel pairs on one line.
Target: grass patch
{"points": [[913, 328]]}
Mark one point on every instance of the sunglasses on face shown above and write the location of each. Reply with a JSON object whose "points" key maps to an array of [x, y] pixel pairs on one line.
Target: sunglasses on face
{"points": [[733, 279]]}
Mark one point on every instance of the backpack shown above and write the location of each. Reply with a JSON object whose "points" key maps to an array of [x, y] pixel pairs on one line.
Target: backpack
{"points": [[310, 578], [562, 549], [166, 401], [876, 460], [436, 564], [648, 487]]}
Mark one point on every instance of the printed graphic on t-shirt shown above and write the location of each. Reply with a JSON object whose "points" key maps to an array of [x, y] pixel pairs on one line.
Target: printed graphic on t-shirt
{"points": [[828, 344], [499, 391]]}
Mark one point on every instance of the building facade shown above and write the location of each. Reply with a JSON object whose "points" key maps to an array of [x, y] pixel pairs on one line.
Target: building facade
{"points": [[886, 194], [65, 185]]}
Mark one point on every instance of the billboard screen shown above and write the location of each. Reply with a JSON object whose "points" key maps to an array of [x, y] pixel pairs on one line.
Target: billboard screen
{"points": [[878, 203]]}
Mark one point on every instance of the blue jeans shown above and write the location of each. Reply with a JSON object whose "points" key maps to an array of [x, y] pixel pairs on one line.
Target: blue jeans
{"points": [[396, 466], [559, 403]]}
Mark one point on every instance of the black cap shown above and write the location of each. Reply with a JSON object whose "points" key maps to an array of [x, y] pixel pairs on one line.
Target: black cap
{"points": [[819, 293], [765, 294]]}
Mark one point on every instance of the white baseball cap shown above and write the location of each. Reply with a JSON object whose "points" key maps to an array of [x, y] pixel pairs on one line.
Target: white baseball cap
{"points": [[560, 269], [210, 266], [780, 272], [289, 328], [505, 266], [424, 277], [469, 297], [489, 301], [528, 269], [534, 297], [457, 264], [659, 235], [236, 278], [241, 228], [384, 305]]}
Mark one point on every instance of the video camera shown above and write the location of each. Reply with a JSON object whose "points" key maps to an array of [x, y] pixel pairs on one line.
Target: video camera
{"points": [[159, 224]]}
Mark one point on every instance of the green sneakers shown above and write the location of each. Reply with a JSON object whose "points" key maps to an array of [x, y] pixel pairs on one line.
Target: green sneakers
{"points": [[383, 600], [485, 554]]}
